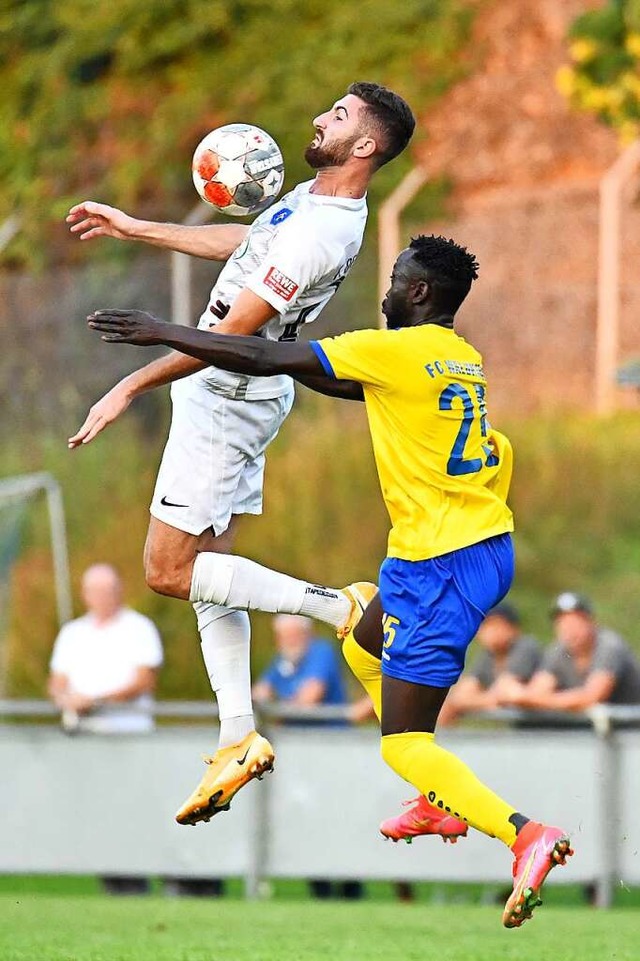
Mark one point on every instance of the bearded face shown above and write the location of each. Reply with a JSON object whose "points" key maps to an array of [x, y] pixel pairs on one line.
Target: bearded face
{"points": [[323, 152]]}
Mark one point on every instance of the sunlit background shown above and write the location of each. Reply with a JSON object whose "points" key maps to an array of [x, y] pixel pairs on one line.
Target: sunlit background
{"points": [[526, 151]]}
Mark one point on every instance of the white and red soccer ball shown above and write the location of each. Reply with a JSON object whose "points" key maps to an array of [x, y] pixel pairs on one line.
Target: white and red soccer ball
{"points": [[238, 169]]}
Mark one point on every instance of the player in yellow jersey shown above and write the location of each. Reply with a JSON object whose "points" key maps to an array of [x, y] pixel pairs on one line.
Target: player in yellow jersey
{"points": [[445, 476]]}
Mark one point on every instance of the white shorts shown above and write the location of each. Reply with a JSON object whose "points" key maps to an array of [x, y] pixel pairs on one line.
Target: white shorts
{"points": [[213, 461]]}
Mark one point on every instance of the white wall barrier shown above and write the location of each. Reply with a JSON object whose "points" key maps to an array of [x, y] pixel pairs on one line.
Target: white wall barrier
{"points": [[105, 805]]}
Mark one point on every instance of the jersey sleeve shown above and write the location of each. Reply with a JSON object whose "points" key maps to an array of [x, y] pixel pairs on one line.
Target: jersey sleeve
{"points": [[300, 256], [554, 660], [482, 670], [62, 654], [610, 655], [360, 355], [271, 675], [525, 659], [148, 649]]}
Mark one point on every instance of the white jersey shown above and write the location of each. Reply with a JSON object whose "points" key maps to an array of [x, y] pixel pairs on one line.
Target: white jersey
{"points": [[295, 257]]}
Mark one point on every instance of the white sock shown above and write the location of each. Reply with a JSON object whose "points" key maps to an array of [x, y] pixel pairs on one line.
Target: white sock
{"points": [[225, 642], [242, 584]]}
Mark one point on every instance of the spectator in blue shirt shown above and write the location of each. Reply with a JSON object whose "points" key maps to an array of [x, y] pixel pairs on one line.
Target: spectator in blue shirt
{"points": [[305, 671]]}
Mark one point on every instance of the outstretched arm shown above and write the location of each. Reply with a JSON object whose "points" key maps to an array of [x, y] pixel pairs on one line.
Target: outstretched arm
{"points": [[248, 314], [159, 373], [344, 389], [330, 387], [244, 355], [90, 219]]}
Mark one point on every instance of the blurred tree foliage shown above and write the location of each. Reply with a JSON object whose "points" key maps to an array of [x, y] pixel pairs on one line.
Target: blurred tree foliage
{"points": [[324, 520], [109, 99], [604, 75]]}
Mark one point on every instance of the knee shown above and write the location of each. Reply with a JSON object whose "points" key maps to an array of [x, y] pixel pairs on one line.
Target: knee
{"points": [[389, 752], [349, 654], [162, 579], [363, 665], [398, 751]]}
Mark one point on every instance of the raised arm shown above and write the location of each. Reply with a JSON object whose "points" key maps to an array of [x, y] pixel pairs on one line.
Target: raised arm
{"points": [[90, 219], [244, 355], [248, 313], [162, 371], [343, 389]]}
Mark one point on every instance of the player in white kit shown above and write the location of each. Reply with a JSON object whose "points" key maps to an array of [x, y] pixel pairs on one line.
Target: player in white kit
{"points": [[280, 273]]}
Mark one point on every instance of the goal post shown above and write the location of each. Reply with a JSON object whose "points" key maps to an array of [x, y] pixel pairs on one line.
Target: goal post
{"points": [[23, 487]]}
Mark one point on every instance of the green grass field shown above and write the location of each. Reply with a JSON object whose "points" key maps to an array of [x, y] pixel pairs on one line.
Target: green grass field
{"points": [[38, 927]]}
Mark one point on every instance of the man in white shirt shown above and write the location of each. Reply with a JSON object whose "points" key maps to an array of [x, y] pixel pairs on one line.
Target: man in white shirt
{"points": [[280, 273], [105, 664]]}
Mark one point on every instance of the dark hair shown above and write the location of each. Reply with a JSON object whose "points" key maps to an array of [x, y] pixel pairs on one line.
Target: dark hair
{"points": [[506, 611], [391, 115], [451, 268]]}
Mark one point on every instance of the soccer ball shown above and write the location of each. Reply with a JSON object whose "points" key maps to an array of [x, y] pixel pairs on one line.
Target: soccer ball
{"points": [[238, 169]]}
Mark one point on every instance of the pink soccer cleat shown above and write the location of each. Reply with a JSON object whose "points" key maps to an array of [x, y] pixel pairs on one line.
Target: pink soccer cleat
{"points": [[537, 849], [423, 818]]}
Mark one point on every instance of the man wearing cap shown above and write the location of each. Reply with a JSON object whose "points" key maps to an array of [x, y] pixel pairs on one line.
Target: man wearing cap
{"points": [[507, 655], [588, 664]]}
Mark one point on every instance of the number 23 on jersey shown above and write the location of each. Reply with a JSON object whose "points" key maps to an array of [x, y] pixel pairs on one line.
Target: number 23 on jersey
{"points": [[472, 400]]}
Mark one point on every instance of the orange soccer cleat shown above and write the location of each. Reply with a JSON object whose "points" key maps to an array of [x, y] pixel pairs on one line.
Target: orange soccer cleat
{"points": [[228, 770], [423, 818], [537, 849]]}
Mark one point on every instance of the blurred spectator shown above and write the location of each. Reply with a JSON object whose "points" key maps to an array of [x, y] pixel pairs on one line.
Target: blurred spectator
{"points": [[588, 664], [103, 673], [193, 887], [104, 664], [305, 671], [362, 710], [507, 655]]}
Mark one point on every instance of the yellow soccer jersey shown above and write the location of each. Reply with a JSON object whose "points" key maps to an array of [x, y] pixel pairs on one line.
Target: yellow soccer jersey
{"points": [[444, 472]]}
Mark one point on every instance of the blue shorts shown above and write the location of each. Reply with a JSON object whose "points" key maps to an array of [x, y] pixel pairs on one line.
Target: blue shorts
{"points": [[433, 608]]}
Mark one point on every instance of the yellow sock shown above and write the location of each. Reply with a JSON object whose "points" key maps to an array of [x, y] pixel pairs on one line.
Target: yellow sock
{"points": [[448, 783], [367, 668]]}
